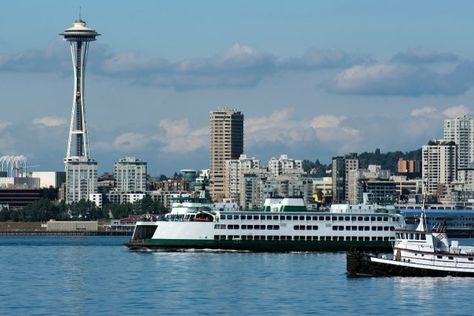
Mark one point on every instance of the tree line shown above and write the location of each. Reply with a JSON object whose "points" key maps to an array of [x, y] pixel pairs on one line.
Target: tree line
{"points": [[385, 160], [46, 209]]}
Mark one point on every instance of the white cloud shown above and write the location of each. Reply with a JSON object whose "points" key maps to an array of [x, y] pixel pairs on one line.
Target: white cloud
{"points": [[328, 129], [456, 111], [281, 127], [130, 141], [179, 138], [238, 51], [427, 112], [395, 79], [50, 121], [326, 121], [278, 127]]}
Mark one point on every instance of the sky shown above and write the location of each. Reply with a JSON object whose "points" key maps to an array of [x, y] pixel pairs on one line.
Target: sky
{"points": [[314, 79]]}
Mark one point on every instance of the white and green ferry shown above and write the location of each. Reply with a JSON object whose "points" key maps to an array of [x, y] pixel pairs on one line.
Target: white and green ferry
{"points": [[283, 225]]}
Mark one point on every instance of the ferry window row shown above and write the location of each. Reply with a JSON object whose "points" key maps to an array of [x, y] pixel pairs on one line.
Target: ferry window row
{"points": [[307, 227], [301, 238], [364, 228], [411, 236], [256, 227], [307, 218]]}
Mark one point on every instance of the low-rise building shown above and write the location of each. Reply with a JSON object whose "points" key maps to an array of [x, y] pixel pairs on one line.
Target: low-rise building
{"points": [[49, 179]]}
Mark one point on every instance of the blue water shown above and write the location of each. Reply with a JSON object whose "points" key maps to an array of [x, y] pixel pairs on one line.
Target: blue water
{"points": [[97, 275]]}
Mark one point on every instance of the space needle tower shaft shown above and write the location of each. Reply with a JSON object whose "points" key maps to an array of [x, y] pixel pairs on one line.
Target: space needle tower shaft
{"points": [[78, 36]]}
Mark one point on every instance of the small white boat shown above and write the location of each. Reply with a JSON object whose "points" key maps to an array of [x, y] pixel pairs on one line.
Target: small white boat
{"points": [[419, 252]]}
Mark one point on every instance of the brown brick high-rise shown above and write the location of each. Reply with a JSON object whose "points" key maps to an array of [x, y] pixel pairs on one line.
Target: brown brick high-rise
{"points": [[226, 142]]}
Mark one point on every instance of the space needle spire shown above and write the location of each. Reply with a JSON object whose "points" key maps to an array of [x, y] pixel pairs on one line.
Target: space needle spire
{"points": [[78, 162]]}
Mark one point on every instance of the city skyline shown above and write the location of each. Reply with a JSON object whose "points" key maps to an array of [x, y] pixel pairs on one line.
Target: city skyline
{"points": [[313, 80]]}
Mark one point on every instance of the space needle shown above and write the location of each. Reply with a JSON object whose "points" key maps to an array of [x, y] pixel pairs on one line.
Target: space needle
{"points": [[81, 169]]}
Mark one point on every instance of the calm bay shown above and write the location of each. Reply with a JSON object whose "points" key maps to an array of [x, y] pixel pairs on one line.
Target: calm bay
{"points": [[98, 275]]}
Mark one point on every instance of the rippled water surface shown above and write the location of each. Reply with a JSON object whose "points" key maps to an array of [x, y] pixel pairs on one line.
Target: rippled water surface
{"points": [[97, 275]]}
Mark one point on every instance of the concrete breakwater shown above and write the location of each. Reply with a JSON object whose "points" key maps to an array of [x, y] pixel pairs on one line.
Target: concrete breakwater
{"points": [[41, 229]]}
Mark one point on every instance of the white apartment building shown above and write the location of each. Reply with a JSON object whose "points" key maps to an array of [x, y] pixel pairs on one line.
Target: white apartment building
{"points": [[284, 164], [439, 165], [81, 179], [258, 185], [97, 199], [233, 173], [461, 131], [466, 179], [130, 175]]}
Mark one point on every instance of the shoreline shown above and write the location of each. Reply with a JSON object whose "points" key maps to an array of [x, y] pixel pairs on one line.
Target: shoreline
{"points": [[64, 233]]}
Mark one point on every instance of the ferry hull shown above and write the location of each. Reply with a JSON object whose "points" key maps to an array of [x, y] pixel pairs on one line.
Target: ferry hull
{"points": [[258, 245], [360, 265]]}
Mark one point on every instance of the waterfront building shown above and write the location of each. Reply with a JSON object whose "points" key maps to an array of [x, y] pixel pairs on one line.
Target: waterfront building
{"points": [[190, 176], [341, 166], [105, 183], [410, 168], [167, 198], [121, 197], [466, 178], [80, 167], [96, 198], [49, 179], [284, 164], [338, 179], [365, 181], [18, 198], [351, 162], [461, 131], [439, 165], [405, 187], [130, 175], [226, 142], [171, 185], [234, 170], [260, 184], [322, 189], [19, 183], [202, 178]]}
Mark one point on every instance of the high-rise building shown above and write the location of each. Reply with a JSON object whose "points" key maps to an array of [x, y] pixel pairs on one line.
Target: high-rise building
{"points": [[351, 162], [80, 167], [234, 170], [461, 131], [439, 165], [130, 175], [338, 179], [341, 166], [226, 142]]}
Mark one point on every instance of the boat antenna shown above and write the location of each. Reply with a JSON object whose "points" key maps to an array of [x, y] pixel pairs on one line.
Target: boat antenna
{"points": [[422, 226]]}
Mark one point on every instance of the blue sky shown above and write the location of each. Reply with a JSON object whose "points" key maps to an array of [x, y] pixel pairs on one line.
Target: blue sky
{"points": [[313, 78]]}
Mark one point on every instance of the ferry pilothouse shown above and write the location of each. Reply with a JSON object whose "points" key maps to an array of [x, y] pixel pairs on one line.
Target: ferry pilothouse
{"points": [[283, 225]]}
